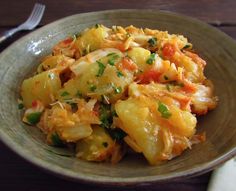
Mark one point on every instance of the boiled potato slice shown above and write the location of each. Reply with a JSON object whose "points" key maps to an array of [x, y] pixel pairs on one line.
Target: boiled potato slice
{"points": [[182, 122], [97, 147], [140, 56], [42, 87], [139, 124], [91, 39], [98, 78]]}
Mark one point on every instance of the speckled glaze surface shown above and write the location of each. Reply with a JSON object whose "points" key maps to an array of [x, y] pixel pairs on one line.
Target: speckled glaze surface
{"points": [[17, 61]]}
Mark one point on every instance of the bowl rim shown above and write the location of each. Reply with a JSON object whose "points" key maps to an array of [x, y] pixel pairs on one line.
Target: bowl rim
{"points": [[105, 180]]}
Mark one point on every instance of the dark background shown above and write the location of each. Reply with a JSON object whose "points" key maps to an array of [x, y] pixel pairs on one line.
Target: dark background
{"points": [[16, 173]]}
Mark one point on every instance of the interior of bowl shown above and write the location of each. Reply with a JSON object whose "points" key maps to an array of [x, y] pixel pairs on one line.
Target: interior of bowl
{"points": [[216, 48]]}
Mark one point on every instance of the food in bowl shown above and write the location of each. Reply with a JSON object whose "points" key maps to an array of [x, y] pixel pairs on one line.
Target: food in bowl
{"points": [[108, 91]]}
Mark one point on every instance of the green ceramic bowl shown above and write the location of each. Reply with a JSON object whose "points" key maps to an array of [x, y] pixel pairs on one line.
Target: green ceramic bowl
{"points": [[219, 50]]}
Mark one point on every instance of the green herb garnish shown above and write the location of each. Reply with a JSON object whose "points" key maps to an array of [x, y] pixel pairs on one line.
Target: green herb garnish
{"points": [[163, 109], [92, 87], [151, 59], [105, 144], [65, 93], [165, 77], [117, 134], [152, 41], [100, 69], [78, 94], [187, 46], [119, 74], [105, 116], [56, 141], [74, 106], [33, 118], [51, 75], [20, 106], [168, 87], [111, 54], [97, 25], [117, 90], [113, 59]]}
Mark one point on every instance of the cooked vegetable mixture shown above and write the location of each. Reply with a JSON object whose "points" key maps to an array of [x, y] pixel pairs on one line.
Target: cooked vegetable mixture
{"points": [[112, 91]]}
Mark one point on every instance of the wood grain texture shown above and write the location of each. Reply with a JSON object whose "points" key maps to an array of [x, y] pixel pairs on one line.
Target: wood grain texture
{"points": [[218, 12], [16, 173]]}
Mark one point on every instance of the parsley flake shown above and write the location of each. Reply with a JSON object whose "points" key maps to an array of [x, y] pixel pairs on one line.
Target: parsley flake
{"points": [[187, 46], [97, 26], [20, 106], [119, 74], [56, 140], [117, 90], [113, 59], [33, 118], [65, 93], [152, 41], [105, 144], [151, 59], [92, 87], [168, 87], [163, 109], [100, 69], [78, 94], [166, 77]]}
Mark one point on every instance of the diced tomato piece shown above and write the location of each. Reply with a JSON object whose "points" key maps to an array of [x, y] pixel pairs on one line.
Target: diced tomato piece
{"points": [[168, 50], [148, 76], [128, 64], [189, 87], [34, 103], [68, 40], [121, 47]]}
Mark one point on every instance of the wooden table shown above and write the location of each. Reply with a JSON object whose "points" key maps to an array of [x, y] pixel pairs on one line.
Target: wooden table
{"points": [[16, 173]]}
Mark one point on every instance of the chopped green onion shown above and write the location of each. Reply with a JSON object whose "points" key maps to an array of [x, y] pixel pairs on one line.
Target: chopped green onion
{"points": [[92, 87], [51, 75], [111, 54], [117, 89], [65, 93], [56, 141], [163, 109], [104, 115], [151, 59], [78, 94], [20, 106], [112, 60], [105, 144], [101, 69], [152, 41], [113, 113], [165, 77], [168, 87], [34, 118], [97, 25], [74, 106], [117, 134], [187, 46], [119, 74]]}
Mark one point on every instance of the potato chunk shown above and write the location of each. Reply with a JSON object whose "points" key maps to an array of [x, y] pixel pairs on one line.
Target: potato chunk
{"points": [[99, 146], [91, 39], [42, 87], [140, 56], [153, 128], [140, 125]]}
